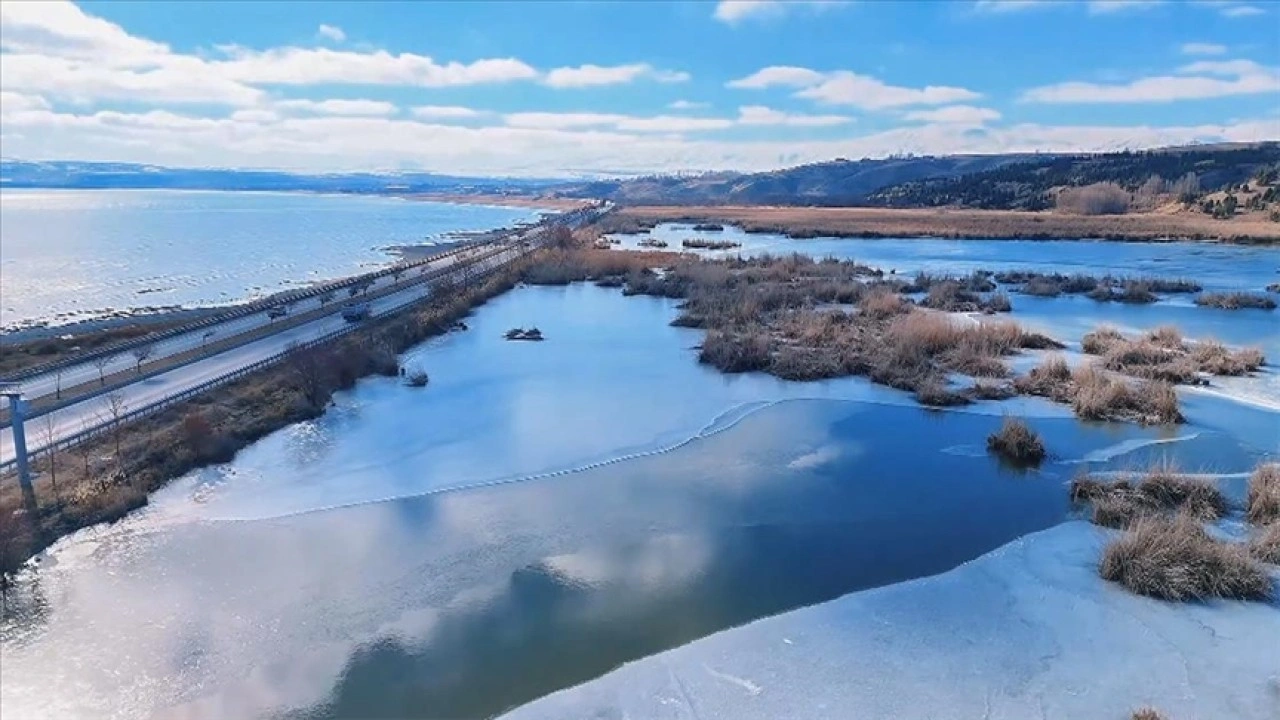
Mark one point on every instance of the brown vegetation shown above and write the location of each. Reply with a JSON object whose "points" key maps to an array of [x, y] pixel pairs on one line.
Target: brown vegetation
{"points": [[1162, 354], [1105, 288], [1016, 443], [1236, 301], [801, 222], [1104, 198], [1147, 713], [1175, 559], [1262, 506], [21, 355], [1096, 395], [1162, 490], [1265, 544]]}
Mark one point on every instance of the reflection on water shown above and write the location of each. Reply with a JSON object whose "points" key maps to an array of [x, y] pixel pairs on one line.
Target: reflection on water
{"points": [[81, 251], [461, 604], [277, 586]]}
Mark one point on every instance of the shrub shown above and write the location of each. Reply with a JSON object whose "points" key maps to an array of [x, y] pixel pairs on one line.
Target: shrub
{"points": [[1175, 559], [1100, 341], [998, 302], [1263, 501], [882, 304], [1265, 545], [417, 378], [1236, 300], [1017, 443], [1103, 198], [934, 394], [1101, 397], [735, 353], [1042, 287]]}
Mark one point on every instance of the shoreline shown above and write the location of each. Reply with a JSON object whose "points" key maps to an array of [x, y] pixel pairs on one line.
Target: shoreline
{"points": [[859, 222], [547, 204]]}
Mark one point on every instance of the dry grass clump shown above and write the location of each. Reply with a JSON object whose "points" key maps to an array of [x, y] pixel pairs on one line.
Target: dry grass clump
{"points": [[1162, 490], [1262, 505], [882, 304], [1101, 340], [1163, 354], [1175, 559], [1236, 300], [1098, 396], [1016, 443], [1265, 544], [1146, 713], [934, 394]]}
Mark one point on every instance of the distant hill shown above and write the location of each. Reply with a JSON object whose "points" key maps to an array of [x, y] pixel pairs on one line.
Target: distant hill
{"points": [[94, 175], [1007, 182], [1030, 185], [839, 182]]}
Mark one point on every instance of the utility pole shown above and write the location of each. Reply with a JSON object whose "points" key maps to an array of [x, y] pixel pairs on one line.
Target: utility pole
{"points": [[18, 418]]}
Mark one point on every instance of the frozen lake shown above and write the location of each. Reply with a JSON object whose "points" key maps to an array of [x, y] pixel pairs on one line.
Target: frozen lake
{"points": [[72, 254], [542, 513]]}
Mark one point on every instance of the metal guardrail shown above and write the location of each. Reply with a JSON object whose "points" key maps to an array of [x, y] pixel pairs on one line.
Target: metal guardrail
{"points": [[238, 311], [153, 408]]}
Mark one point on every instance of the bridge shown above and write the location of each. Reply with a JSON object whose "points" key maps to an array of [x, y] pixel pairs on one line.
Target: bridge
{"points": [[63, 404]]}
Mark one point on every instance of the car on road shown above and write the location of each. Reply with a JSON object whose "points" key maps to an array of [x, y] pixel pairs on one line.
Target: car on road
{"points": [[355, 312]]}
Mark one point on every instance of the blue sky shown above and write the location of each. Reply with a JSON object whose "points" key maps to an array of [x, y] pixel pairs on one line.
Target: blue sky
{"points": [[569, 88]]}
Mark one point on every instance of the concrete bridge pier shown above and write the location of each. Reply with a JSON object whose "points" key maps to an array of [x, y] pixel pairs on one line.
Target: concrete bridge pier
{"points": [[18, 417]]}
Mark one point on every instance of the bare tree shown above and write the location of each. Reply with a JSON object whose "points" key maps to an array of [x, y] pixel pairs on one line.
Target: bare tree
{"points": [[204, 338], [57, 382], [101, 362], [84, 448], [1103, 198], [397, 271], [141, 354], [115, 406], [1187, 187], [49, 433], [311, 372]]}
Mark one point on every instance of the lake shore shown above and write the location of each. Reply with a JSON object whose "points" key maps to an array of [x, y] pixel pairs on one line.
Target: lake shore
{"points": [[535, 202], [809, 222]]}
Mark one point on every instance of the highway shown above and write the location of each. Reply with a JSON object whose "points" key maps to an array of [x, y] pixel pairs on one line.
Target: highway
{"points": [[96, 411], [88, 371]]}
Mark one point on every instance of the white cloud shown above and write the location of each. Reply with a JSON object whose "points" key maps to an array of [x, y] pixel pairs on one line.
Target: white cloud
{"points": [[1242, 11], [318, 66], [778, 75], [687, 105], [843, 87], [324, 143], [1106, 7], [255, 115], [595, 75], [625, 123], [1231, 8], [1007, 6], [955, 115], [12, 102], [179, 80], [61, 29], [1200, 48], [761, 115], [1197, 81], [433, 112], [733, 12], [359, 108], [848, 88], [331, 32]]}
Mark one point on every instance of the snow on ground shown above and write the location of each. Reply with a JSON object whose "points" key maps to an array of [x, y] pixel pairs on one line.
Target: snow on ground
{"points": [[1027, 631]]}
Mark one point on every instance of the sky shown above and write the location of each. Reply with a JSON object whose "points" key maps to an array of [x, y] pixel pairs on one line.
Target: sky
{"points": [[560, 89]]}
